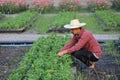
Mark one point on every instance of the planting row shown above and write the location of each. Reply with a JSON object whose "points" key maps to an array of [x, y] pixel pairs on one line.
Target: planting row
{"points": [[43, 6], [108, 18], [58, 21], [42, 62], [55, 23], [19, 21]]}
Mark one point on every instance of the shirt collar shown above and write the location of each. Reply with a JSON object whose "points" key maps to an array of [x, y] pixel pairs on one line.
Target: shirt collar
{"points": [[80, 34]]}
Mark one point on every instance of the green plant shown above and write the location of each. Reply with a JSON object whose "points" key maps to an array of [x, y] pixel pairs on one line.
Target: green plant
{"points": [[43, 23], [109, 19], [63, 18], [18, 21], [42, 62], [69, 5]]}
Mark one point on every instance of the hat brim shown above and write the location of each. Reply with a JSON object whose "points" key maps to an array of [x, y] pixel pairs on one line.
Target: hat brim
{"points": [[68, 26]]}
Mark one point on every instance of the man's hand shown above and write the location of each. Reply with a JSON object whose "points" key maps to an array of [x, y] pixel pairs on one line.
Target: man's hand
{"points": [[62, 53]]}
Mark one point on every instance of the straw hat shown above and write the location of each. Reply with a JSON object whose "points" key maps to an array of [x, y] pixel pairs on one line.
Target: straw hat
{"points": [[74, 24]]}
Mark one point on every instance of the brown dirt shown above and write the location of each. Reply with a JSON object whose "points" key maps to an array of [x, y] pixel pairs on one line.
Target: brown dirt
{"points": [[9, 59]]}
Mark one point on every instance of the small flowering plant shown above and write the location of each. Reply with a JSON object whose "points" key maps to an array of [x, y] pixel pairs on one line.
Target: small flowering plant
{"points": [[94, 5], [12, 6], [69, 5], [42, 6]]}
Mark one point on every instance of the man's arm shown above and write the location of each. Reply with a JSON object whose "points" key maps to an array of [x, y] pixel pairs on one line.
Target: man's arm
{"points": [[69, 44], [81, 43]]}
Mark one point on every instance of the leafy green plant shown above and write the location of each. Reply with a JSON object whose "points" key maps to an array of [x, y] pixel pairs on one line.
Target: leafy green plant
{"points": [[42, 62], [110, 19], [18, 21], [63, 18]]}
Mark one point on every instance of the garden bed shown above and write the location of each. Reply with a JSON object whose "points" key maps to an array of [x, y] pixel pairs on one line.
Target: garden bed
{"points": [[18, 23], [108, 19], [105, 27]]}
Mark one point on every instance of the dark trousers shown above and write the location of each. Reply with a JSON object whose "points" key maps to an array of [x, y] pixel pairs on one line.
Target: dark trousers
{"points": [[85, 56]]}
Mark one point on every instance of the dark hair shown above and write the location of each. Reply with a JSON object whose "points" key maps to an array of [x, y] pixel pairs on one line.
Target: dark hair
{"points": [[80, 28]]}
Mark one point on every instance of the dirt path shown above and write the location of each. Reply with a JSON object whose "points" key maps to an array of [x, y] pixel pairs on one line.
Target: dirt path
{"points": [[9, 59]]}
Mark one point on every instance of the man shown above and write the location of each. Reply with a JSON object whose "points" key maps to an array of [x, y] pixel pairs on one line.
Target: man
{"points": [[83, 45]]}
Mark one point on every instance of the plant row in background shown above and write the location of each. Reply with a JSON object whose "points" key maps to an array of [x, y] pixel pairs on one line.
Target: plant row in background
{"points": [[110, 19], [13, 6], [42, 62], [45, 6], [45, 23], [69, 5], [94, 5], [19, 21]]}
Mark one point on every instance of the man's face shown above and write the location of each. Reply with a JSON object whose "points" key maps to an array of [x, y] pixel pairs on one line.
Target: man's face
{"points": [[75, 31]]}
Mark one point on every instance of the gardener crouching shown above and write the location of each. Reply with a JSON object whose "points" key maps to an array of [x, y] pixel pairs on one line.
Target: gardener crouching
{"points": [[83, 45]]}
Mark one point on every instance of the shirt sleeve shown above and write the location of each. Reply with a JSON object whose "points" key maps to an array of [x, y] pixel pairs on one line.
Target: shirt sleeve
{"points": [[69, 44], [81, 42]]}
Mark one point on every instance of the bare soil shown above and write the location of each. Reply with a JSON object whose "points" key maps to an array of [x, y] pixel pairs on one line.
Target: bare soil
{"points": [[9, 59]]}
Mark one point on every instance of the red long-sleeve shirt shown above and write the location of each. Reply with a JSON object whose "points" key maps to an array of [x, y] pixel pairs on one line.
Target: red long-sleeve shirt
{"points": [[84, 40]]}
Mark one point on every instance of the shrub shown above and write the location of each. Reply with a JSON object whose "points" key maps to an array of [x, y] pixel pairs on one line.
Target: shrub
{"points": [[94, 5], [12, 6], [42, 6], [116, 4], [69, 5]]}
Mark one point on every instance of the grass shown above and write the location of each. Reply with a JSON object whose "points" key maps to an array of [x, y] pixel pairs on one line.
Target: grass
{"points": [[42, 24], [3, 19]]}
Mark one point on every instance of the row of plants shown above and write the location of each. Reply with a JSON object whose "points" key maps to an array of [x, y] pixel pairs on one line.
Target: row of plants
{"points": [[19, 21], [53, 23], [12, 6], [63, 18], [42, 23], [108, 18], [69, 5], [42, 62], [45, 6]]}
